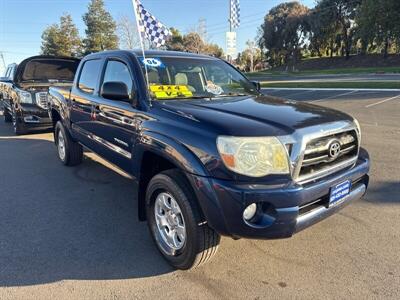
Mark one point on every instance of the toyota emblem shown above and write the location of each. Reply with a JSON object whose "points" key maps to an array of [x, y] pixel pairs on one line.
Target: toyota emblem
{"points": [[334, 150]]}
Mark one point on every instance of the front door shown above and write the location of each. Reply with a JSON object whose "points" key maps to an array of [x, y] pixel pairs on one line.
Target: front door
{"points": [[114, 123]]}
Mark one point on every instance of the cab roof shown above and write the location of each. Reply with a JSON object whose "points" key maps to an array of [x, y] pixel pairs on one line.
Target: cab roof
{"points": [[152, 53]]}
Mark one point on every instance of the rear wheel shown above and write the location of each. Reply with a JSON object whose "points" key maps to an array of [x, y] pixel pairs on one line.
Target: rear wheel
{"points": [[69, 152], [176, 222]]}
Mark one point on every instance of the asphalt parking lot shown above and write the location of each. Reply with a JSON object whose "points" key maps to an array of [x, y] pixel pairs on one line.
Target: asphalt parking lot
{"points": [[73, 232]]}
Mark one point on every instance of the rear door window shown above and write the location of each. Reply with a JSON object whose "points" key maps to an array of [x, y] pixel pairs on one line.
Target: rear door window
{"points": [[89, 76]]}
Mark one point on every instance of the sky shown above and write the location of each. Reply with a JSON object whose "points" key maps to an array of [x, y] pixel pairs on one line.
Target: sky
{"points": [[23, 21]]}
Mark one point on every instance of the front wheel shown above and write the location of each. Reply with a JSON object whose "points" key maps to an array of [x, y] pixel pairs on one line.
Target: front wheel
{"points": [[17, 124], [176, 222], [7, 116], [69, 152]]}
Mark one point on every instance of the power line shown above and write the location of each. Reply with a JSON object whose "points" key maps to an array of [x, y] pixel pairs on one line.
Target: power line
{"points": [[220, 29]]}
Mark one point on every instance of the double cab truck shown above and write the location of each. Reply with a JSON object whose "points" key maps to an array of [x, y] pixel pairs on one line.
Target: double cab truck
{"points": [[24, 90], [210, 155]]}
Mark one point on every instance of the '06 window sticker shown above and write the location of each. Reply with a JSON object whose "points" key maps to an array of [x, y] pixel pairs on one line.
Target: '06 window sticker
{"points": [[153, 62]]}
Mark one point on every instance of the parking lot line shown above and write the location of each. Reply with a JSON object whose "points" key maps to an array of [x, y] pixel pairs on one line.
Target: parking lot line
{"points": [[332, 89], [270, 91], [300, 93], [382, 101], [334, 96]]}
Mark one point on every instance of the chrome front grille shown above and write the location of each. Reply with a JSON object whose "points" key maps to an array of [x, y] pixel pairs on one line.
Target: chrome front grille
{"points": [[41, 100], [327, 154]]}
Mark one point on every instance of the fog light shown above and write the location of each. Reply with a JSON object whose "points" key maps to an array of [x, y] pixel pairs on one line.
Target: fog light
{"points": [[250, 212]]}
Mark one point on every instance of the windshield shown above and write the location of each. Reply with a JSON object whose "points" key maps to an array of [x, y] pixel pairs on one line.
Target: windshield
{"points": [[46, 70], [172, 78]]}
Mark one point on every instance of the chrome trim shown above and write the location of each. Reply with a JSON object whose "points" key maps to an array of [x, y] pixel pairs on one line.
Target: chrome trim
{"points": [[326, 158], [322, 212], [42, 100], [327, 171], [345, 140], [30, 120], [301, 137], [103, 142]]}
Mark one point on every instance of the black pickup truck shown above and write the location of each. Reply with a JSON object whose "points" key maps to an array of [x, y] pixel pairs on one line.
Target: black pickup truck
{"points": [[209, 153], [24, 90]]}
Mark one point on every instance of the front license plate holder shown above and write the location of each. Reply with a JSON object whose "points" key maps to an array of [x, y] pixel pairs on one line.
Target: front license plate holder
{"points": [[339, 193]]}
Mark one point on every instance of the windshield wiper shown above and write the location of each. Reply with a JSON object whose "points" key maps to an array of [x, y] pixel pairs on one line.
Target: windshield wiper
{"points": [[231, 95], [183, 98]]}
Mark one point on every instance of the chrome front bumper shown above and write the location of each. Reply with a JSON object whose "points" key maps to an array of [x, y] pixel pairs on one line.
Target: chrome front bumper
{"points": [[320, 213]]}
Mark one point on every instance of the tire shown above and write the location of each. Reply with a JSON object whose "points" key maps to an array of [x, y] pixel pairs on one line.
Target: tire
{"points": [[200, 242], [7, 116], [19, 128], [69, 152]]}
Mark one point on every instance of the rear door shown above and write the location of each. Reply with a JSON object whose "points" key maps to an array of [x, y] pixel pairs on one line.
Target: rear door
{"points": [[83, 95]]}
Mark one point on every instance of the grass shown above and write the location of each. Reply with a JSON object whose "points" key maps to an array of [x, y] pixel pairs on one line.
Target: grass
{"points": [[338, 71], [334, 85]]}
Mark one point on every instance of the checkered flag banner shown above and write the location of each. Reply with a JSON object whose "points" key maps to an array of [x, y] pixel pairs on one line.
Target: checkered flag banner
{"points": [[235, 13], [149, 27]]}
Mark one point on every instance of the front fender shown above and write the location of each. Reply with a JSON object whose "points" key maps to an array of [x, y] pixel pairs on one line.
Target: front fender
{"points": [[167, 148], [171, 150]]}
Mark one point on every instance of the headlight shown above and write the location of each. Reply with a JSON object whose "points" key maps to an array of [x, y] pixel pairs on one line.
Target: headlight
{"points": [[25, 97], [253, 156]]}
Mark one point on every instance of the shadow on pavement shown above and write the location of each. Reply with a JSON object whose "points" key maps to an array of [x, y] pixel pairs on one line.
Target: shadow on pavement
{"points": [[383, 192], [59, 223]]}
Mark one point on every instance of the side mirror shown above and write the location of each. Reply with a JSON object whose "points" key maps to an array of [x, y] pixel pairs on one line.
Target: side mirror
{"points": [[257, 84], [117, 91]]}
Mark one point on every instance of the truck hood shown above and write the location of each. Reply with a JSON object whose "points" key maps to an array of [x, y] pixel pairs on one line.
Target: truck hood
{"points": [[254, 116]]}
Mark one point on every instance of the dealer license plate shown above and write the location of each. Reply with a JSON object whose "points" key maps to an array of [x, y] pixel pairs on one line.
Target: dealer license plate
{"points": [[339, 193]]}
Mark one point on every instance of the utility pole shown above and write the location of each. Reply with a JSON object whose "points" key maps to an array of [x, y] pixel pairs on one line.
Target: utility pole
{"points": [[202, 29], [4, 62]]}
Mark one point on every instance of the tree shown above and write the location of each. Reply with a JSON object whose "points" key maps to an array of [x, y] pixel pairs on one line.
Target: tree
{"points": [[283, 32], [62, 39], [340, 14], [193, 43], [101, 28], [175, 43], [127, 32], [50, 40], [250, 59], [213, 50], [322, 31], [379, 24]]}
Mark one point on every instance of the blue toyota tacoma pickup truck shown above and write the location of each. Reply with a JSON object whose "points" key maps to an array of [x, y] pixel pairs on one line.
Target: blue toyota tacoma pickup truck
{"points": [[209, 153]]}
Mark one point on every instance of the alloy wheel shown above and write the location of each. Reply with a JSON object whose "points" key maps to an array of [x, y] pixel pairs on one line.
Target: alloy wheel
{"points": [[171, 226]]}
